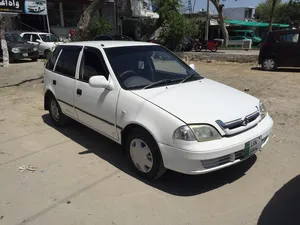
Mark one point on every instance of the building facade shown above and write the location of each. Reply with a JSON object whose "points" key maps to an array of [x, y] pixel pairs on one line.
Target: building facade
{"points": [[239, 13]]}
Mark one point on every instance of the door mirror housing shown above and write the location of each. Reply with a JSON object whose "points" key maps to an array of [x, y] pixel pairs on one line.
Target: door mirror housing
{"points": [[100, 81], [38, 41], [192, 66]]}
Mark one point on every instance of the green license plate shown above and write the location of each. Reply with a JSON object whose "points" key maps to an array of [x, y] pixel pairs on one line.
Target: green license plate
{"points": [[252, 146]]}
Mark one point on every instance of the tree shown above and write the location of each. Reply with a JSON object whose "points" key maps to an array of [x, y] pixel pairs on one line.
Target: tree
{"points": [[3, 42], [99, 25], [274, 2], [87, 17], [219, 8]]}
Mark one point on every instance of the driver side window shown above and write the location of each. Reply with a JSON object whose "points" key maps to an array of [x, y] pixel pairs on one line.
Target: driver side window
{"points": [[92, 64]]}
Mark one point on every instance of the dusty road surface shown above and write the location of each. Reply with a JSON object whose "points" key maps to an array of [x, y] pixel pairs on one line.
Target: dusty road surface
{"points": [[82, 178]]}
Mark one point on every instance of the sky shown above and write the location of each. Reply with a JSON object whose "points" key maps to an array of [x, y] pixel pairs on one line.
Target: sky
{"points": [[228, 3]]}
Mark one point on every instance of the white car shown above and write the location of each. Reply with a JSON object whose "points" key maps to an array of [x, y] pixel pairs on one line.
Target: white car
{"points": [[36, 7], [45, 42], [164, 113]]}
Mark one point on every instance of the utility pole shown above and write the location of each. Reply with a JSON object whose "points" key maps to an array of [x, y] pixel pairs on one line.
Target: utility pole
{"points": [[207, 21]]}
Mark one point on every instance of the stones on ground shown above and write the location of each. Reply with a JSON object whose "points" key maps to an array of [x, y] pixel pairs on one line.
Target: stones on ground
{"points": [[246, 89], [68, 202], [1, 217]]}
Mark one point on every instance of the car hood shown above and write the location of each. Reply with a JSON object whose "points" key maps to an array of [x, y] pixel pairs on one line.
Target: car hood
{"points": [[19, 45], [202, 101]]}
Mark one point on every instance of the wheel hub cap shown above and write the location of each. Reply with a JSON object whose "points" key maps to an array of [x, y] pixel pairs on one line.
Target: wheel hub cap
{"points": [[269, 64], [141, 155], [54, 110]]}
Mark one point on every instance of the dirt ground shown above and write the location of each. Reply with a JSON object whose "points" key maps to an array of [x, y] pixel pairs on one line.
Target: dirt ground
{"points": [[82, 177]]}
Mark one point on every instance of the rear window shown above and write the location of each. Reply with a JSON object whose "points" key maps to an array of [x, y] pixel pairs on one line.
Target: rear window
{"points": [[67, 61], [51, 62]]}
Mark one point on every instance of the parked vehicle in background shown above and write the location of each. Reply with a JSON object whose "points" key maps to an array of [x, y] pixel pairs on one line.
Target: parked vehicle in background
{"points": [[206, 45], [185, 45], [46, 42], [281, 48], [248, 34], [19, 48], [237, 40], [161, 110], [112, 37]]}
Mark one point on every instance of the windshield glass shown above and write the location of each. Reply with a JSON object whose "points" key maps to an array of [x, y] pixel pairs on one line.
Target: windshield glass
{"points": [[49, 38], [137, 67], [14, 38]]}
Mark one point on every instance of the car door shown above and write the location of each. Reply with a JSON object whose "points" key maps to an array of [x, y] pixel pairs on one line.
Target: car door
{"points": [[95, 107], [35, 39], [66, 69], [287, 49]]}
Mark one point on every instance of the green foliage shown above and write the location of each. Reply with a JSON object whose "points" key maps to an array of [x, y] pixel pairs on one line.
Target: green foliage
{"points": [[263, 10], [195, 28], [99, 25]]}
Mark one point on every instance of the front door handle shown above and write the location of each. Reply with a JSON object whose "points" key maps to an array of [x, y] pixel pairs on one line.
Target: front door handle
{"points": [[79, 91]]}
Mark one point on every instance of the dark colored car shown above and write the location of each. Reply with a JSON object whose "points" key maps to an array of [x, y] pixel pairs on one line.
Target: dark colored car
{"points": [[185, 45], [112, 37], [18, 48], [280, 49]]}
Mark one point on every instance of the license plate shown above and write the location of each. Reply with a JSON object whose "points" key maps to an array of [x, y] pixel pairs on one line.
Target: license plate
{"points": [[25, 54], [252, 146]]}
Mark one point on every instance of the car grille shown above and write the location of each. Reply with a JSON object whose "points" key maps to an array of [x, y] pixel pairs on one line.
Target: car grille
{"points": [[211, 163], [239, 125], [26, 50]]}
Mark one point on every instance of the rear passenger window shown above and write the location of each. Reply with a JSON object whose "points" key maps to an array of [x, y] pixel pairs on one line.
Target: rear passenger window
{"points": [[67, 61], [26, 37], [51, 62], [289, 38]]}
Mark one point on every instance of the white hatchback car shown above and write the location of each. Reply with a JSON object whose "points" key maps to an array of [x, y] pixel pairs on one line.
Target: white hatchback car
{"points": [[164, 113]]}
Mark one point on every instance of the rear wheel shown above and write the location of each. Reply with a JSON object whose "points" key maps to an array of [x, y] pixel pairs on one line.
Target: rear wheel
{"points": [[56, 114], [144, 155], [35, 59], [269, 64], [214, 49]]}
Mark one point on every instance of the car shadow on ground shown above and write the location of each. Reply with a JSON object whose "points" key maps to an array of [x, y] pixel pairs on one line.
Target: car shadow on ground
{"points": [[173, 183], [282, 70], [284, 207]]}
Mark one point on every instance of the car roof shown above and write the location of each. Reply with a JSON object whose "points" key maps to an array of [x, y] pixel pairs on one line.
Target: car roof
{"points": [[109, 44], [35, 33]]}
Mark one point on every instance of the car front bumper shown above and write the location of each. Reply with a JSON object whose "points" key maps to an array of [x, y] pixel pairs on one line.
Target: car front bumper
{"points": [[205, 157], [19, 56]]}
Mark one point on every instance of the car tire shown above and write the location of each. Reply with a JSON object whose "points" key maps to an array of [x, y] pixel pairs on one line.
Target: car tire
{"points": [[144, 155], [269, 64], [58, 118], [35, 59]]}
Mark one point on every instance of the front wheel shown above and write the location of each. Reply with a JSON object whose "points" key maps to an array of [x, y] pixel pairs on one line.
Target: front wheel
{"points": [[198, 48], [269, 64], [144, 155], [214, 49], [35, 59]]}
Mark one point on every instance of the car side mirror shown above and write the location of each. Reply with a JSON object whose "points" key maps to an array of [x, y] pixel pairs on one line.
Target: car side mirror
{"points": [[38, 40], [100, 82], [192, 66]]}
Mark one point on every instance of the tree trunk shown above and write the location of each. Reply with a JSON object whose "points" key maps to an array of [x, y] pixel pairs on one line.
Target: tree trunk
{"points": [[219, 8], [272, 14], [3, 42], [86, 18]]}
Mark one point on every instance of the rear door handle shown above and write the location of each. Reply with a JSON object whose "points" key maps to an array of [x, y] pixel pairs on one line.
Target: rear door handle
{"points": [[79, 91], [54, 82]]}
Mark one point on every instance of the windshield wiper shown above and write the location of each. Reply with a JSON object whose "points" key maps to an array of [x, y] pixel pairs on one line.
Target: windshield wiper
{"points": [[188, 77], [165, 81]]}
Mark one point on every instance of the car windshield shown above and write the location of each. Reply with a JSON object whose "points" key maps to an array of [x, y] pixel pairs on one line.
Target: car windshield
{"points": [[49, 38], [138, 67], [14, 38]]}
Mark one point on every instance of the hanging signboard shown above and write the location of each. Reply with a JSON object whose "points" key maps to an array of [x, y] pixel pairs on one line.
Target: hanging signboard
{"points": [[12, 6], [35, 7], [143, 8]]}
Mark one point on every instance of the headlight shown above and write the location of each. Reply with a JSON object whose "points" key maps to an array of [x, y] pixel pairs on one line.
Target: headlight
{"points": [[205, 133], [262, 109], [35, 49], [184, 133], [15, 50], [200, 133]]}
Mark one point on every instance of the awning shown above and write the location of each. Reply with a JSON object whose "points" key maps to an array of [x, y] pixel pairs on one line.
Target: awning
{"points": [[253, 24]]}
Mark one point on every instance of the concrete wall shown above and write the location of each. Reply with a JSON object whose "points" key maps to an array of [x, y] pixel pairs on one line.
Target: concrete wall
{"points": [[238, 13]]}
